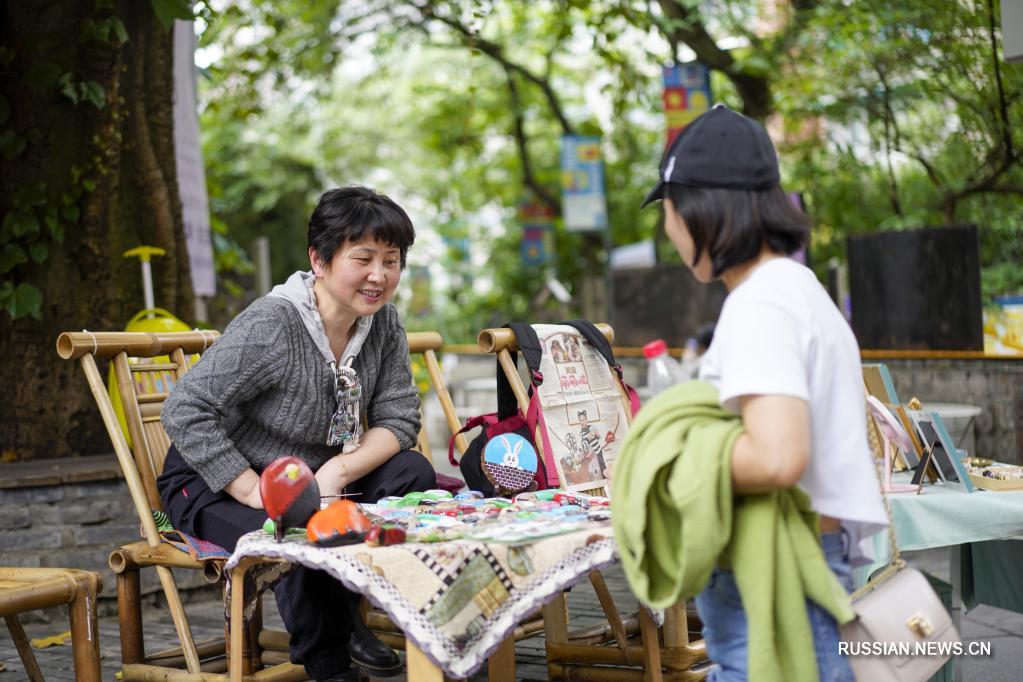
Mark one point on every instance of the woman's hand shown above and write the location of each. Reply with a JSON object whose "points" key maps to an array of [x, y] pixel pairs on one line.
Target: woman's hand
{"points": [[333, 476], [245, 489]]}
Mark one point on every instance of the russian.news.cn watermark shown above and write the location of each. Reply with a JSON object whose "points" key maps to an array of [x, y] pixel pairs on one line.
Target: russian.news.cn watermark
{"points": [[914, 648]]}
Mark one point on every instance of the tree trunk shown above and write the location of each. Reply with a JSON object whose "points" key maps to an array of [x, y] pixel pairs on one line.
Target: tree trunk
{"points": [[112, 170]]}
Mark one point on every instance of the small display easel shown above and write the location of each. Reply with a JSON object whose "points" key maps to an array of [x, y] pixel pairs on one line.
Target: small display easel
{"points": [[892, 435]]}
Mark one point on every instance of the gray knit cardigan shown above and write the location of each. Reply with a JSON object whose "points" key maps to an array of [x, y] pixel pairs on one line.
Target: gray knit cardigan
{"points": [[264, 390]]}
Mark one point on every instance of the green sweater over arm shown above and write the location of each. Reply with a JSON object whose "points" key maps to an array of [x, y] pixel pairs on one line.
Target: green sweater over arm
{"points": [[675, 518]]}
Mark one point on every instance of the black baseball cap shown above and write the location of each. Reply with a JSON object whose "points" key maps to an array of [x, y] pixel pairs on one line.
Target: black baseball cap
{"points": [[719, 148]]}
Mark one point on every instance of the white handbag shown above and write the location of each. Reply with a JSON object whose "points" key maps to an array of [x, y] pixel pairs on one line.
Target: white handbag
{"points": [[902, 632]]}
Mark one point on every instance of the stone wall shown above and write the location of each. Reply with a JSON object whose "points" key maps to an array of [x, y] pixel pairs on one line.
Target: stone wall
{"points": [[994, 385], [67, 522]]}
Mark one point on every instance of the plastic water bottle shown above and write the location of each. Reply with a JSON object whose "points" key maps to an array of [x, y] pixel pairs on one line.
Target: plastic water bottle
{"points": [[690, 360], [662, 370]]}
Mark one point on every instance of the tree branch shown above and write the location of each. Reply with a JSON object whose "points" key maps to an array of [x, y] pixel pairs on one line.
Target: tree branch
{"points": [[528, 179], [889, 123], [495, 52], [687, 27], [1003, 106]]}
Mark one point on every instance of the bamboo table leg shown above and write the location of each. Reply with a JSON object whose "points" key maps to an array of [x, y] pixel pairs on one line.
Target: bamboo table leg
{"points": [[21, 643], [501, 664], [237, 620], [420, 668], [555, 625], [651, 646], [85, 630]]}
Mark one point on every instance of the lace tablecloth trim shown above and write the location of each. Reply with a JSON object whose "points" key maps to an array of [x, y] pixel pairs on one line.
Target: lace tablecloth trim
{"points": [[456, 659]]}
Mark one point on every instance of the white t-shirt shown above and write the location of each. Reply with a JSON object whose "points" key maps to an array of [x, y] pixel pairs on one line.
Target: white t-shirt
{"points": [[779, 333]]}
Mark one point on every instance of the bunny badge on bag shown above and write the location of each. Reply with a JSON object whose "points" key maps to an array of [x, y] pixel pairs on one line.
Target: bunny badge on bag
{"points": [[509, 462]]}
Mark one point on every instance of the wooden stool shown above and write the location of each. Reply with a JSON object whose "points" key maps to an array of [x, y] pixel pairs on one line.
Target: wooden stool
{"points": [[26, 589]]}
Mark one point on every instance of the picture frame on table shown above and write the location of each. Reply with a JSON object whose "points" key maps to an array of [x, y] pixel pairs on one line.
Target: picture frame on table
{"points": [[944, 454]]}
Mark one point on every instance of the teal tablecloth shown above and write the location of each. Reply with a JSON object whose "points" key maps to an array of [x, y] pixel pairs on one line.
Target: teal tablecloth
{"points": [[942, 517]]}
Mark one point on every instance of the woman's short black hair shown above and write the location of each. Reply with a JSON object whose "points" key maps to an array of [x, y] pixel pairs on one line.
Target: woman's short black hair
{"points": [[348, 214], [733, 224]]}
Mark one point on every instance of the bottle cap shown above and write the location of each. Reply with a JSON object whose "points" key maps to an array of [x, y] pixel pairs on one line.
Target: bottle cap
{"points": [[654, 348]]}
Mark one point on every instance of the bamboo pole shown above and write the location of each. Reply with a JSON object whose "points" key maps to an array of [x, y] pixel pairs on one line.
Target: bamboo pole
{"points": [[138, 496], [140, 554], [419, 667], [607, 603], [501, 664], [495, 339], [651, 646], [676, 626], [85, 627], [129, 617], [133, 418], [420, 342], [74, 345], [21, 643], [236, 628], [433, 367]]}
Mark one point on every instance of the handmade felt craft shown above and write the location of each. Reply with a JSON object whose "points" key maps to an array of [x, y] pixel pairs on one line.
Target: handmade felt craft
{"points": [[290, 493]]}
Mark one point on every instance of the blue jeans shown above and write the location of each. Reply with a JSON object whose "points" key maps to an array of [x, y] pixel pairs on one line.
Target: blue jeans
{"points": [[725, 628]]}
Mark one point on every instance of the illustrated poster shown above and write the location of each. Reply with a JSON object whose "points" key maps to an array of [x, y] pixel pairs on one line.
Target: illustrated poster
{"points": [[582, 407]]}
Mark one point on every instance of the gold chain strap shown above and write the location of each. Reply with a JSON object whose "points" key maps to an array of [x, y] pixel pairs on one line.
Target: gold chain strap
{"points": [[895, 562]]}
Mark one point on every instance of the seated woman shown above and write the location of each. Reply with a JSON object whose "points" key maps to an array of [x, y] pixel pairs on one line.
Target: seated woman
{"points": [[285, 379]]}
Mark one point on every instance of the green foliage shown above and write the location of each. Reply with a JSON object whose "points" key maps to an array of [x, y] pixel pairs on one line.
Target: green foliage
{"points": [[891, 116], [169, 10], [21, 301]]}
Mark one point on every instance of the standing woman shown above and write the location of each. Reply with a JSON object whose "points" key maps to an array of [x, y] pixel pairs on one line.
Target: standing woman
{"points": [[782, 357], [284, 379]]}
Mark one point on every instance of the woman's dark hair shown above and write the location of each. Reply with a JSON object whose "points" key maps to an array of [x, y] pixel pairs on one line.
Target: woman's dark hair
{"points": [[349, 214], [733, 224]]}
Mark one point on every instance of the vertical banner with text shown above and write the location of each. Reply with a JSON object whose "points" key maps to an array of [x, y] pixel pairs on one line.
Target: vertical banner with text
{"points": [[686, 95], [537, 223], [583, 203], [195, 210]]}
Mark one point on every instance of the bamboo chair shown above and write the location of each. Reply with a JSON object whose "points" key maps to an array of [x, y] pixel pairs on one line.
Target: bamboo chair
{"points": [[25, 589], [611, 652], [146, 366]]}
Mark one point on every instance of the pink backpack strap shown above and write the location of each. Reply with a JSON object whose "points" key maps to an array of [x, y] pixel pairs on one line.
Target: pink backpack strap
{"points": [[534, 417], [633, 396], [471, 423]]}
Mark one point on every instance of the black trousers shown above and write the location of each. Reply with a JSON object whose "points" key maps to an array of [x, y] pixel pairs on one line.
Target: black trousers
{"points": [[314, 606]]}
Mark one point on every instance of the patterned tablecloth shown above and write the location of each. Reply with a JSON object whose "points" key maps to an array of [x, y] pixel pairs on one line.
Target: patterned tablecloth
{"points": [[456, 600]]}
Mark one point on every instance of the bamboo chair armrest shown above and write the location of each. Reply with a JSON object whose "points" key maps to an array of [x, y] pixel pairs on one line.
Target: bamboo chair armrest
{"points": [[140, 554]]}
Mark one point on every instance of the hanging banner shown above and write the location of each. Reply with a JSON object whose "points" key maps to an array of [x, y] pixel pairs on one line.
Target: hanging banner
{"points": [[537, 224], [195, 209], [583, 203], [686, 95]]}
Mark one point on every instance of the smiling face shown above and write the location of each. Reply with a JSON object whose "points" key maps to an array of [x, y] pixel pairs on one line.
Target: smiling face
{"points": [[677, 231], [358, 280]]}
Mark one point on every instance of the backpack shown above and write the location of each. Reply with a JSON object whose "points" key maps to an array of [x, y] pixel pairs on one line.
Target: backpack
{"points": [[509, 424]]}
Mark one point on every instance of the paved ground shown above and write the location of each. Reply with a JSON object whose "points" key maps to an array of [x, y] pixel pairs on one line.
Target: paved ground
{"points": [[1003, 629]]}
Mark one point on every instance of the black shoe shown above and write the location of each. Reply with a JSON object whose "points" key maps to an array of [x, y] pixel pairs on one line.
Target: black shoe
{"points": [[369, 653]]}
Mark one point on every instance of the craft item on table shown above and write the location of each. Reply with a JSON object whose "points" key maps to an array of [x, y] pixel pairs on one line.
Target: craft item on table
{"points": [[289, 492], [341, 523], [946, 457], [510, 462], [893, 435], [381, 536], [992, 475], [270, 528], [522, 520]]}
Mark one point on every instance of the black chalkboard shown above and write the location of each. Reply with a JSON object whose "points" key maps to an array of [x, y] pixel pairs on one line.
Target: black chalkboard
{"points": [[662, 302], [916, 289]]}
